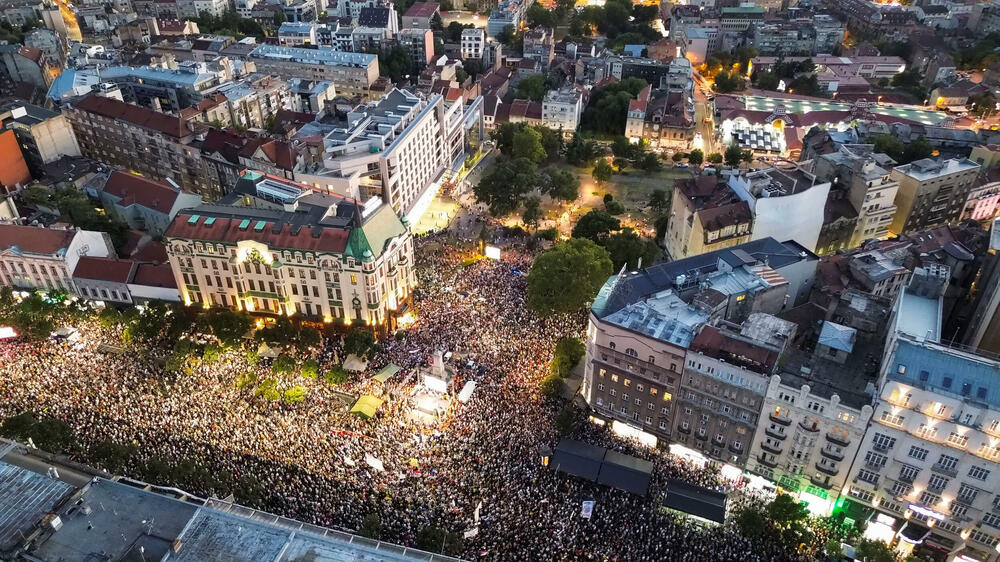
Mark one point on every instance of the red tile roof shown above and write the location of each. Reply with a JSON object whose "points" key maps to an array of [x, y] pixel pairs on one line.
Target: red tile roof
{"points": [[133, 189], [34, 239], [226, 229], [30, 53], [714, 343], [114, 109], [104, 269], [152, 252], [281, 153], [154, 276]]}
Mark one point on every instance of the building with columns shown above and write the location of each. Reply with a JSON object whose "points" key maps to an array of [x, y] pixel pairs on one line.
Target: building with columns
{"points": [[273, 247]]}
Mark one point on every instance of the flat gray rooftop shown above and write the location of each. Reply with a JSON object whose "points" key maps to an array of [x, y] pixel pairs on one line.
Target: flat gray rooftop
{"points": [[25, 497]]}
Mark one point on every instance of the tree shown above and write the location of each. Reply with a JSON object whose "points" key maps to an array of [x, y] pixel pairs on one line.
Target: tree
{"points": [[528, 145], [504, 186], [336, 375], [310, 369], [229, 326], [595, 226], [533, 87], [283, 364], [650, 163], [659, 200], [696, 157], [608, 107], [308, 337], [359, 341], [579, 152], [677, 157], [889, 145], [294, 395], [560, 184], [602, 171], [614, 207], [510, 37], [552, 141], [874, 551], [539, 16], [566, 419], [395, 63], [567, 276], [436, 23], [278, 18], [435, 539], [629, 249], [917, 150], [715, 158], [532, 211], [453, 33], [726, 82], [735, 155]]}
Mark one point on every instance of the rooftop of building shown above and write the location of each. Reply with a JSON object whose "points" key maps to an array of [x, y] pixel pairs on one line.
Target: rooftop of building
{"points": [[112, 270], [422, 10], [306, 220], [735, 349], [837, 337], [778, 182], [129, 520], [800, 364], [929, 168], [327, 56], [375, 17], [949, 371], [185, 76], [132, 189], [25, 113], [114, 109], [21, 239], [918, 316]]}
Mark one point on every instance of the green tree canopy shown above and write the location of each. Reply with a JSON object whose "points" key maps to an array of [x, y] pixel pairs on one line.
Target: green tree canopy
{"points": [[602, 171], [608, 107], [627, 247], [533, 87], [228, 326], [559, 183], [696, 157], [528, 145], [539, 16], [595, 226], [532, 211], [567, 276], [359, 341], [504, 186]]}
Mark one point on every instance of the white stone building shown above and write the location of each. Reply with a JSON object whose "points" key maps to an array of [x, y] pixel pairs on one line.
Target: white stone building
{"points": [[34, 258], [561, 110]]}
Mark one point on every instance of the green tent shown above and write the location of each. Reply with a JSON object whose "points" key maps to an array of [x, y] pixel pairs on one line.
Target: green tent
{"points": [[387, 372], [366, 406]]}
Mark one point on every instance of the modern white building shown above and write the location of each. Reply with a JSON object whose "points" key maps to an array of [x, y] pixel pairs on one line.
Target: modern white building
{"points": [[399, 148], [787, 202], [930, 459], [44, 258], [561, 110], [473, 43]]}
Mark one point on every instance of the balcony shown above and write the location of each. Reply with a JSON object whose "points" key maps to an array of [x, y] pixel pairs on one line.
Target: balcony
{"points": [[770, 448], [719, 442], [837, 439], [736, 450], [810, 427], [832, 471], [701, 437], [763, 460], [776, 434], [831, 454], [778, 419], [684, 430], [940, 469], [821, 483], [907, 478]]}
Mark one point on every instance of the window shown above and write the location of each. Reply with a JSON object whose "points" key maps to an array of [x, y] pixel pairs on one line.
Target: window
{"points": [[918, 453], [638, 401], [613, 392], [900, 489], [882, 441], [967, 493], [639, 387], [875, 460], [625, 396], [979, 473], [947, 462], [649, 420], [937, 483], [614, 378], [628, 382], [928, 498], [908, 473], [958, 440], [600, 386], [891, 419], [868, 476], [946, 382]]}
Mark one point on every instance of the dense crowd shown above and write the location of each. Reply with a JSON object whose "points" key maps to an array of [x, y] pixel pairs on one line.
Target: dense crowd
{"points": [[309, 458]]}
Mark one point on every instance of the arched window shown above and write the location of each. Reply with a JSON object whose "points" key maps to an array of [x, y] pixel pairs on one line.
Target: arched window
{"points": [[631, 352]]}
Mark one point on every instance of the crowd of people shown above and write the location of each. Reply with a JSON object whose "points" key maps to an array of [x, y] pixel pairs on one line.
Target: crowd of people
{"points": [[478, 474]]}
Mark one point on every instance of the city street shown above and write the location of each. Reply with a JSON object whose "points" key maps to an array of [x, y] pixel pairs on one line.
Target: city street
{"points": [[703, 111]]}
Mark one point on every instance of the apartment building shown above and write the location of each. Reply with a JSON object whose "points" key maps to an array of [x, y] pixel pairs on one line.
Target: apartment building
{"points": [[253, 100], [786, 201], [870, 67], [33, 258], [43, 135], [399, 147], [740, 18], [931, 192], [154, 144], [561, 110], [645, 326], [665, 119], [419, 15], [982, 332], [863, 177], [420, 44], [275, 247], [124, 281], [705, 216], [539, 45], [473, 44], [351, 73], [143, 203], [926, 463], [162, 89], [297, 34]]}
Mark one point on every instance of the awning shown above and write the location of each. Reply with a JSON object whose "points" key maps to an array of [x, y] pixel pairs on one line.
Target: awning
{"points": [[913, 533], [387, 372], [366, 406], [625, 473], [578, 458], [695, 500]]}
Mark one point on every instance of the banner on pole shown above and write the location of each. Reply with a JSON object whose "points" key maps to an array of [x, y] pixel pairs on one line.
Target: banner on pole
{"points": [[587, 509]]}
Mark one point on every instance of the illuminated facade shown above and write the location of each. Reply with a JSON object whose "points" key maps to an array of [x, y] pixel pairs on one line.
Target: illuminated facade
{"points": [[279, 249]]}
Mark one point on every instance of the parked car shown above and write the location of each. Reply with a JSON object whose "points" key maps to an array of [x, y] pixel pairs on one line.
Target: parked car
{"points": [[681, 165]]}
